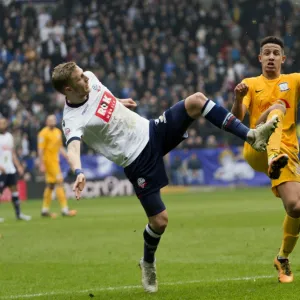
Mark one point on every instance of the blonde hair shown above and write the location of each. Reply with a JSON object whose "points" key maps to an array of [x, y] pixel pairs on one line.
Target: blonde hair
{"points": [[61, 75]]}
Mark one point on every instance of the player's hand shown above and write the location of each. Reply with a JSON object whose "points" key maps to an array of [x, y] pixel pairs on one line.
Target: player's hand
{"points": [[129, 103], [79, 185], [21, 171], [42, 167], [240, 91], [2, 170]]}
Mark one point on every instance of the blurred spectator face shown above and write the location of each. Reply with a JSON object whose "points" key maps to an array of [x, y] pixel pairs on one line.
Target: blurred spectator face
{"points": [[271, 57], [3, 125], [51, 121]]}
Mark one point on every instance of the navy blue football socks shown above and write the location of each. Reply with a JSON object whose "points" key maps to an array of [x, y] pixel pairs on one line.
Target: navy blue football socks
{"points": [[16, 203], [222, 118], [151, 241]]}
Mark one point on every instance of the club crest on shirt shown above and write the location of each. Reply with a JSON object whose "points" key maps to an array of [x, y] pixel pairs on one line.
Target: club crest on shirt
{"points": [[141, 182], [283, 86], [67, 131]]}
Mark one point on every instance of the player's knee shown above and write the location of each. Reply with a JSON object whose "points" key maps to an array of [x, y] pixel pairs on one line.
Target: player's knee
{"points": [[280, 106], [194, 104], [293, 208], [159, 222]]}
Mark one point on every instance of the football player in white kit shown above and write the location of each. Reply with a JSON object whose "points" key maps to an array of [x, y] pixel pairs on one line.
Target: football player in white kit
{"points": [[8, 164], [93, 114]]}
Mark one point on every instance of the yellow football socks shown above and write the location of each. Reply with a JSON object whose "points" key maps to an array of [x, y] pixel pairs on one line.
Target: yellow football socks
{"points": [[290, 236], [61, 196], [47, 199], [273, 147]]}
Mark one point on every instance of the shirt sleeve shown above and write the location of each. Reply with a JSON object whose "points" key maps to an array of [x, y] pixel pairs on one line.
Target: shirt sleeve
{"points": [[247, 98], [72, 130]]}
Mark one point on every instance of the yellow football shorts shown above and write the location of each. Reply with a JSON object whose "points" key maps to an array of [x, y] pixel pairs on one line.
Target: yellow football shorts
{"points": [[53, 173], [259, 162]]}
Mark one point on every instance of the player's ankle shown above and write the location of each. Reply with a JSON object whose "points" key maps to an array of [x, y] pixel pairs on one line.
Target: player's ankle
{"points": [[251, 136]]}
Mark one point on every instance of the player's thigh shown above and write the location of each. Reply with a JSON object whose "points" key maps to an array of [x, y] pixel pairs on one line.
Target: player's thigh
{"points": [[53, 174], [257, 160], [148, 175], [289, 193], [194, 105], [3, 182], [170, 128]]}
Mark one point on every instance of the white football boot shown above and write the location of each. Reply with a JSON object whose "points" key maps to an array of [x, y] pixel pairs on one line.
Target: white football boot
{"points": [[24, 217], [258, 138], [149, 281]]}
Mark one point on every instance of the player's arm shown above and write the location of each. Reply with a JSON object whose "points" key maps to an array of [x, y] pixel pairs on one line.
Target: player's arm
{"points": [[75, 164], [64, 153], [17, 163], [129, 103], [41, 147], [241, 95]]}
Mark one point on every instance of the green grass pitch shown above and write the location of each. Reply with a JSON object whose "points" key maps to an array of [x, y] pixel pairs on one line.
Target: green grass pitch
{"points": [[218, 245]]}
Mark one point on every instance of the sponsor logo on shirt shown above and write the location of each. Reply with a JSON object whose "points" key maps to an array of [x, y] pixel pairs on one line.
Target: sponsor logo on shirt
{"points": [[161, 119], [141, 182], [106, 107]]}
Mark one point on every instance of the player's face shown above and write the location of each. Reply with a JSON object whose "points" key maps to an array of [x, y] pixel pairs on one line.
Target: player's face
{"points": [[80, 83], [51, 121], [271, 58], [3, 125]]}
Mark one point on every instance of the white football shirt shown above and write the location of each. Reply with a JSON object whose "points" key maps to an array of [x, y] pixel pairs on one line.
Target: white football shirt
{"points": [[6, 150], [106, 125]]}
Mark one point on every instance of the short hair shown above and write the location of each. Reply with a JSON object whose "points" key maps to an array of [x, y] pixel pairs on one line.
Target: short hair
{"points": [[61, 75], [272, 40]]}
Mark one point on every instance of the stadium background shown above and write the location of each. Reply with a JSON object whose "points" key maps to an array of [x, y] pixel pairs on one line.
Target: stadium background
{"points": [[151, 51]]}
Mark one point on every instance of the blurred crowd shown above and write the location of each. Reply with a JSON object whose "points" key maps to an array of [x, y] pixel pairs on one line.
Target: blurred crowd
{"points": [[148, 50]]}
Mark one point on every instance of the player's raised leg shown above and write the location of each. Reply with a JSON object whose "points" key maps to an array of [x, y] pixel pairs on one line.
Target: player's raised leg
{"points": [[276, 160], [198, 104], [290, 195]]}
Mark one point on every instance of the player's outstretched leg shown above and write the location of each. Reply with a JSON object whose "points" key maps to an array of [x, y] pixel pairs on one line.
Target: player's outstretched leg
{"points": [[152, 235], [198, 104], [276, 160]]}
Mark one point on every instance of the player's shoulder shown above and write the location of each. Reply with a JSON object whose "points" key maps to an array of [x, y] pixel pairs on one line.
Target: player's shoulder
{"points": [[290, 76], [57, 130], [43, 131], [252, 80], [8, 135], [90, 74]]}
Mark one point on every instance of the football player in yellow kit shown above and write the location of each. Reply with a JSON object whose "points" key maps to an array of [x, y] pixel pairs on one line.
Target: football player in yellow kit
{"points": [[269, 94], [50, 146]]}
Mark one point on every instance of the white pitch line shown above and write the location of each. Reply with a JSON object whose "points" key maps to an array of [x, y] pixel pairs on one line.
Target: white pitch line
{"points": [[130, 287]]}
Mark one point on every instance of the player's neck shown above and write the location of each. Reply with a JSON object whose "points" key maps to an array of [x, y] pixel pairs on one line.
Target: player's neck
{"points": [[76, 99], [271, 76]]}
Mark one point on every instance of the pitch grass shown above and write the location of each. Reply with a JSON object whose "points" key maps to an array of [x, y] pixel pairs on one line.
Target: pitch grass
{"points": [[219, 245]]}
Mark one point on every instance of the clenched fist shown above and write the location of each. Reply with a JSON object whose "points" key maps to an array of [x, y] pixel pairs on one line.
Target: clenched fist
{"points": [[240, 91]]}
